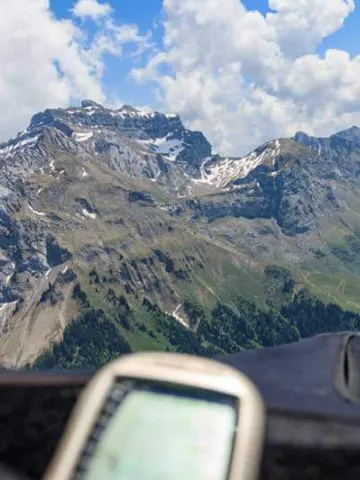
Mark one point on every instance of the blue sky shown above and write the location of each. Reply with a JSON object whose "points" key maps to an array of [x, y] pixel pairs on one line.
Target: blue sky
{"points": [[117, 82], [347, 38]]}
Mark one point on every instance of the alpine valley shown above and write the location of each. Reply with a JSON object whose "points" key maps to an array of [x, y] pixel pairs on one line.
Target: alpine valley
{"points": [[121, 230]]}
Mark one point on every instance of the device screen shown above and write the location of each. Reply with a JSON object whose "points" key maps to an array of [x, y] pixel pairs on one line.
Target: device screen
{"points": [[158, 435]]}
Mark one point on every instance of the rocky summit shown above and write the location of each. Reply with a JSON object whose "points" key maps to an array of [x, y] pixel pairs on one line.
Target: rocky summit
{"points": [[124, 209]]}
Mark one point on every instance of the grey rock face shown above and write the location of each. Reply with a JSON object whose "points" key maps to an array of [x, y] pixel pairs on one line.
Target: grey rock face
{"points": [[352, 134], [129, 139], [278, 180], [335, 157]]}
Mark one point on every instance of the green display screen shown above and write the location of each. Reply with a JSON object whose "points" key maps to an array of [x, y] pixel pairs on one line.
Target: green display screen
{"points": [[160, 436]]}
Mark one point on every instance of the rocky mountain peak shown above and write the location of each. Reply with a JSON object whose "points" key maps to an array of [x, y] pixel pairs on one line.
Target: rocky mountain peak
{"points": [[301, 137], [134, 141], [131, 110], [127, 120], [159, 133], [91, 104], [352, 134]]}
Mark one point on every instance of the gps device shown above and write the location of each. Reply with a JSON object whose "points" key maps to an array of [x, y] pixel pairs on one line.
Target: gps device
{"points": [[159, 416]]}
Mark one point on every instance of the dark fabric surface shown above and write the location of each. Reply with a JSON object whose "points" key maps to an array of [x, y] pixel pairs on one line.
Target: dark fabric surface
{"points": [[32, 420], [7, 474], [319, 375]]}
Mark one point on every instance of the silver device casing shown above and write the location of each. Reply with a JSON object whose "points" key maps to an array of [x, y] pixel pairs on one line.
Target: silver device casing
{"points": [[173, 369]]}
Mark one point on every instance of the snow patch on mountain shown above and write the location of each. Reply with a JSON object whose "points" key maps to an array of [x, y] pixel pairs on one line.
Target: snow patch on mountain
{"points": [[18, 145], [83, 136], [6, 310], [276, 152], [170, 148], [89, 214], [176, 315], [40, 214], [4, 192], [142, 112], [90, 110], [127, 111], [8, 279], [224, 171], [155, 179]]}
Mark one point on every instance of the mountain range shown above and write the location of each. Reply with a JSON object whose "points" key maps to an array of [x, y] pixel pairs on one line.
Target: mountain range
{"points": [[128, 211]]}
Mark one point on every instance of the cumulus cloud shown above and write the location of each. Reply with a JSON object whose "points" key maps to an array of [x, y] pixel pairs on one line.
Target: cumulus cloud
{"points": [[243, 77], [47, 62], [301, 25], [91, 8]]}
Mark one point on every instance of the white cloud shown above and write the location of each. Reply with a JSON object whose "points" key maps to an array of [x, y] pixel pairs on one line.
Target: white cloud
{"points": [[46, 62], [111, 40], [302, 24], [91, 8], [243, 77]]}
